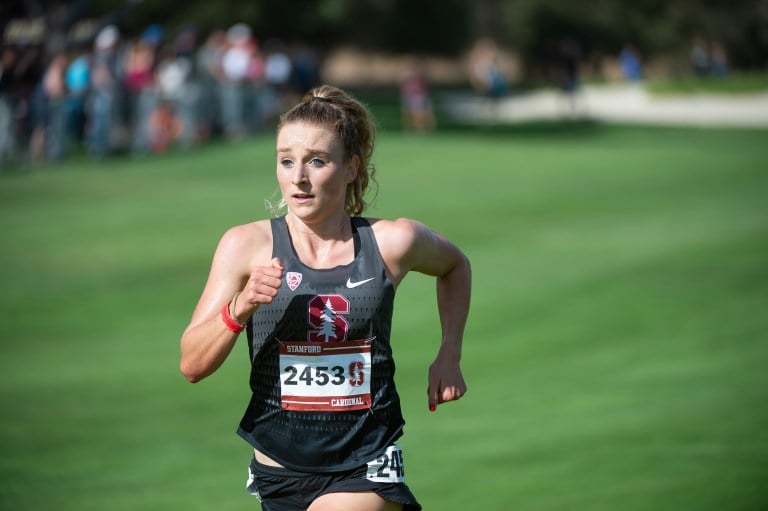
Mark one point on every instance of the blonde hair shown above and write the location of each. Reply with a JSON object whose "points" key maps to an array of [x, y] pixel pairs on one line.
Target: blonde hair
{"points": [[338, 110]]}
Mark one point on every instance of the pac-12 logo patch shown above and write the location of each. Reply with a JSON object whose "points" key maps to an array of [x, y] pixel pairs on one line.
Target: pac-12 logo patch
{"points": [[293, 279]]}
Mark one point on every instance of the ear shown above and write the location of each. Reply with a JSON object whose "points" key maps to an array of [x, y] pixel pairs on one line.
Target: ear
{"points": [[352, 167]]}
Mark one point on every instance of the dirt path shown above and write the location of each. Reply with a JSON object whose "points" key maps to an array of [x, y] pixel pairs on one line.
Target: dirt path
{"points": [[623, 103]]}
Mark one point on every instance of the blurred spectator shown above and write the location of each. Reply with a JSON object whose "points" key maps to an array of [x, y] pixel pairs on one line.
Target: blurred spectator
{"points": [[255, 87], [164, 127], [718, 60], [104, 130], [567, 70], [278, 70], [171, 79], [175, 117], [708, 59], [631, 65], [21, 87], [77, 78], [415, 102], [210, 74], [138, 75], [485, 72], [699, 57], [8, 62], [49, 115], [187, 96], [236, 64], [306, 72]]}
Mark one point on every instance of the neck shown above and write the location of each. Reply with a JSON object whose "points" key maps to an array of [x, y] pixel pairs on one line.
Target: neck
{"points": [[322, 245], [337, 227]]}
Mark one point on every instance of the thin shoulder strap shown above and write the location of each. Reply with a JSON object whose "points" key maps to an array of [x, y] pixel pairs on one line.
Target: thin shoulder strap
{"points": [[281, 240]]}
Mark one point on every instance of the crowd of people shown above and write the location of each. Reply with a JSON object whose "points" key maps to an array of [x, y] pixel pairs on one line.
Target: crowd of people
{"points": [[108, 93], [114, 94], [708, 58]]}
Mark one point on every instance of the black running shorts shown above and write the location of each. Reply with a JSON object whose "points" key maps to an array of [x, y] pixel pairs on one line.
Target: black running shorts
{"points": [[282, 489]]}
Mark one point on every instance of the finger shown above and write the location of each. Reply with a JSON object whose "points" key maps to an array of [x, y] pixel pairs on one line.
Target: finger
{"points": [[265, 277], [452, 393], [262, 288], [448, 395], [433, 397], [275, 270]]}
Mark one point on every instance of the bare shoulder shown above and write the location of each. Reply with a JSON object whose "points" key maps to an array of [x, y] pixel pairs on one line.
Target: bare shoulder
{"points": [[397, 238], [395, 230], [246, 243], [407, 244], [259, 230]]}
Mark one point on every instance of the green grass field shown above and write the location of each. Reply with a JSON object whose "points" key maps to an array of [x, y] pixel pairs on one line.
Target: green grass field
{"points": [[733, 84], [616, 354]]}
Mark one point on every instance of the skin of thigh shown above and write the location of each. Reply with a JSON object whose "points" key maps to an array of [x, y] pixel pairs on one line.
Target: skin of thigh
{"points": [[353, 501]]}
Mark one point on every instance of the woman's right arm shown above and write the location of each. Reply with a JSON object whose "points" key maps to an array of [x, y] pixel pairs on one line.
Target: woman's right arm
{"points": [[240, 264]]}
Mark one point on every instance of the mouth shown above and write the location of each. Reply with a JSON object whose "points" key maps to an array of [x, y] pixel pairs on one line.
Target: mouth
{"points": [[302, 197]]}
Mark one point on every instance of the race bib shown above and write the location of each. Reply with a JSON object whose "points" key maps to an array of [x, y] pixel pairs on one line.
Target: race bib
{"points": [[388, 467], [325, 376]]}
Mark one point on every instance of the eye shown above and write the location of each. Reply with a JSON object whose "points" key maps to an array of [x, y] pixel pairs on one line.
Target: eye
{"points": [[286, 162], [316, 162]]}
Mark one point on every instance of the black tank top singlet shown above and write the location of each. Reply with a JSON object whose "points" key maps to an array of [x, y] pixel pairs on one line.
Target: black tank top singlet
{"points": [[322, 373]]}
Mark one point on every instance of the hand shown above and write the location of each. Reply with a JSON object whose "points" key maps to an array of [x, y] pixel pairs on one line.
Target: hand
{"points": [[262, 287], [446, 382]]}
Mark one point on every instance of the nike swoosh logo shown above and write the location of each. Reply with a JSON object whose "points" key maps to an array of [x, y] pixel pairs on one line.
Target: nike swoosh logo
{"points": [[352, 285]]}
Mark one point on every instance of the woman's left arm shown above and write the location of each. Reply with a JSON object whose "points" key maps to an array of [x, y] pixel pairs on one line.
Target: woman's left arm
{"points": [[419, 248]]}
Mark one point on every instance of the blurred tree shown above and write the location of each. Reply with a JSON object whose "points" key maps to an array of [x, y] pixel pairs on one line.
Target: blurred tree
{"points": [[408, 26], [655, 27], [449, 27], [428, 26]]}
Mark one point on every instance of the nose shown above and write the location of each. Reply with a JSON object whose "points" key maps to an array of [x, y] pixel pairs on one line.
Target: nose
{"points": [[299, 175]]}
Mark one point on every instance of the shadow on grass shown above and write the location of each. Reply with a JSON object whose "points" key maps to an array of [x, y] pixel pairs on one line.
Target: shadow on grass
{"points": [[558, 128]]}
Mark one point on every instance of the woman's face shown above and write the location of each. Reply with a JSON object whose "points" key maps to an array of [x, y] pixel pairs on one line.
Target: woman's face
{"points": [[312, 171]]}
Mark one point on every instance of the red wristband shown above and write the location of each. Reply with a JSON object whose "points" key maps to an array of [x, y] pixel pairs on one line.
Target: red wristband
{"points": [[229, 322]]}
